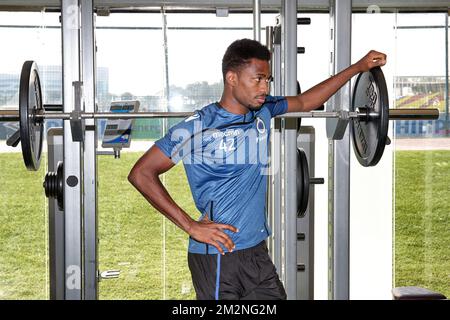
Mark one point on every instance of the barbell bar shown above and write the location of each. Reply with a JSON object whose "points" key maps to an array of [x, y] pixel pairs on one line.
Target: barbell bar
{"points": [[9, 115], [394, 114], [369, 113]]}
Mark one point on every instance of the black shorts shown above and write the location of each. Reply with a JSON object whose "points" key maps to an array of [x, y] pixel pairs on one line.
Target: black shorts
{"points": [[247, 274]]}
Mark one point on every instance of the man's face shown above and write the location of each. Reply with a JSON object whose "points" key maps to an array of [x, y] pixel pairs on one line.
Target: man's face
{"points": [[252, 84]]}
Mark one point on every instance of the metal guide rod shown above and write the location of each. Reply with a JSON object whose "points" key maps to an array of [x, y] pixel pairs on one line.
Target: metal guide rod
{"points": [[117, 115], [257, 20], [394, 114]]}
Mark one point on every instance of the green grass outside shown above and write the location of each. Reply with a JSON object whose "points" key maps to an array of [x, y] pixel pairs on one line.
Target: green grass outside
{"points": [[133, 235], [23, 235], [422, 220]]}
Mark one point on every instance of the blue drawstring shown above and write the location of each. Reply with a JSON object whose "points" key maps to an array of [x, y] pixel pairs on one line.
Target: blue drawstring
{"points": [[218, 276]]}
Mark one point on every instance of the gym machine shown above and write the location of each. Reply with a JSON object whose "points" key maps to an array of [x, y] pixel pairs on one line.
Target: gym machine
{"points": [[368, 118]]}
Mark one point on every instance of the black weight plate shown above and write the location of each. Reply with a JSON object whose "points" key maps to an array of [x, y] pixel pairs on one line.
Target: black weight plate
{"points": [[369, 136], [60, 188], [302, 183], [54, 185], [30, 104]]}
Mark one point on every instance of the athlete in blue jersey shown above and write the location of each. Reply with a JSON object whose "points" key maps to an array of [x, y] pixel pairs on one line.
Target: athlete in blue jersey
{"points": [[224, 149]]}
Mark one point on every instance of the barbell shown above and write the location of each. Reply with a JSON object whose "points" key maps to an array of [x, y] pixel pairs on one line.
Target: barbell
{"points": [[368, 116]]}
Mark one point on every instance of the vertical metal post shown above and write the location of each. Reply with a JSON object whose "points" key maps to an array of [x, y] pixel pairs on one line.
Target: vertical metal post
{"points": [[166, 59], [447, 125], [289, 142], [305, 224], [90, 146], [70, 18], [55, 221], [269, 193], [165, 128], [274, 204], [257, 20], [276, 63], [339, 159], [289, 46]]}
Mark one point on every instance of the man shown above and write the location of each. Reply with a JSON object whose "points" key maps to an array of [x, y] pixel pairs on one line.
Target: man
{"points": [[224, 150]]}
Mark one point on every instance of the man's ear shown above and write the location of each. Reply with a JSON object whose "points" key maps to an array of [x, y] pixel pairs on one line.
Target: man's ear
{"points": [[231, 78]]}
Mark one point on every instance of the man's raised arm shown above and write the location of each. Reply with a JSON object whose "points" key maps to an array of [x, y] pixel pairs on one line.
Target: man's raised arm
{"points": [[320, 93]]}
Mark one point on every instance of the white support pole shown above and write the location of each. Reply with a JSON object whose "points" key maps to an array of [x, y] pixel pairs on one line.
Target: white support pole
{"points": [[289, 144], [339, 159], [70, 14], [90, 259]]}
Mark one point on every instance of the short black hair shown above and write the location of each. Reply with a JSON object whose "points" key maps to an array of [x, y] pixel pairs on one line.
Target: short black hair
{"points": [[240, 52]]}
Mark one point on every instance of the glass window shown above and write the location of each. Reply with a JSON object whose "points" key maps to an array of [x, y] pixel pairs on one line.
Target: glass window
{"points": [[23, 207], [416, 77], [178, 71], [371, 210], [130, 66], [422, 170]]}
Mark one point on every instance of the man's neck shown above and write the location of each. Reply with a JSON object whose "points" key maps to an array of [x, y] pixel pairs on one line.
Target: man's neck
{"points": [[233, 106]]}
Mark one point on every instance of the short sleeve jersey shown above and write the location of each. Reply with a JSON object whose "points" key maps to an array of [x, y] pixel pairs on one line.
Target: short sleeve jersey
{"points": [[226, 159]]}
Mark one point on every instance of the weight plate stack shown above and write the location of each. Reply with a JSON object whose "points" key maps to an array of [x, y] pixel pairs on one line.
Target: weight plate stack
{"points": [[54, 185]]}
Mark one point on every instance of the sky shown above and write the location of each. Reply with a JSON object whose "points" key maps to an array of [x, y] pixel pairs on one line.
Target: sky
{"points": [[135, 58]]}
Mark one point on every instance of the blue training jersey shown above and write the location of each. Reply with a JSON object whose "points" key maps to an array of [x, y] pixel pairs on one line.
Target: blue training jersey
{"points": [[226, 159]]}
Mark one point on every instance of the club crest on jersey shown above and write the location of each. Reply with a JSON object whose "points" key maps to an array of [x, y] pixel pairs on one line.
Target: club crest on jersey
{"points": [[260, 126]]}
